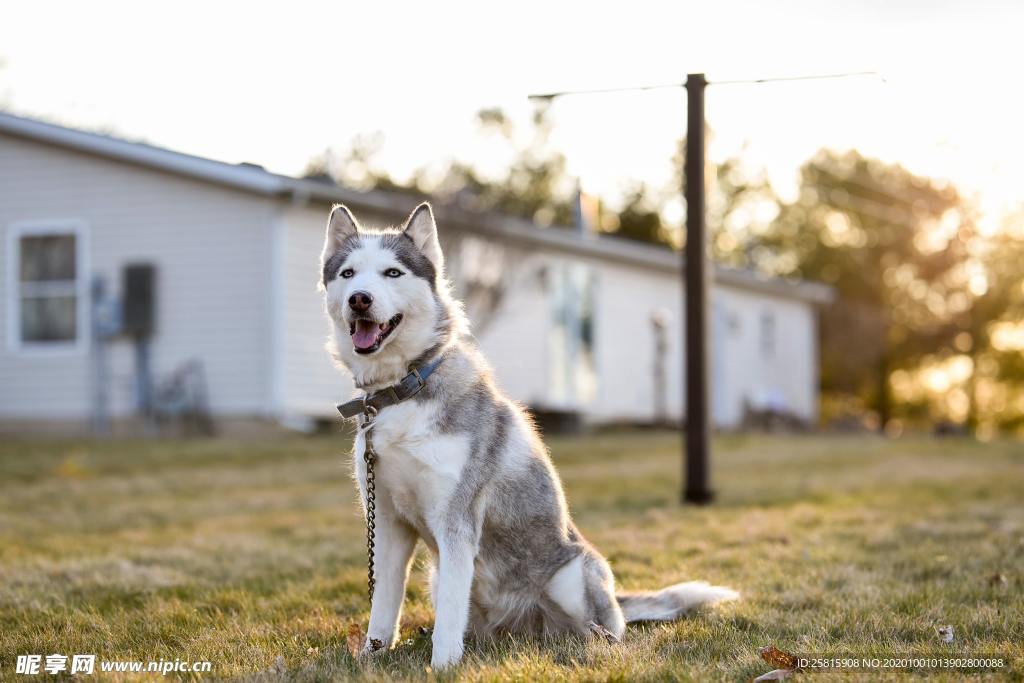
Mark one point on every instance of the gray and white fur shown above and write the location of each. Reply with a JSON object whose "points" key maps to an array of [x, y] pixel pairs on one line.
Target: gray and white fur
{"points": [[461, 466]]}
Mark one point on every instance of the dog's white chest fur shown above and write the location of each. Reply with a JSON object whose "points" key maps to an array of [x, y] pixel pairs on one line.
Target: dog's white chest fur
{"points": [[417, 468]]}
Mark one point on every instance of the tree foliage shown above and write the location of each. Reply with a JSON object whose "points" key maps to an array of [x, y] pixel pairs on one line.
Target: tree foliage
{"points": [[893, 245], [536, 185]]}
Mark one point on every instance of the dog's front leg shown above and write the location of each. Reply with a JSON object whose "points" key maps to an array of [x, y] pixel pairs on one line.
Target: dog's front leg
{"points": [[456, 554], [394, 543]]}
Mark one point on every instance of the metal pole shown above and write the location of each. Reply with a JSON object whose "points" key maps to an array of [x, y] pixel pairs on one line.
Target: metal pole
{"points": [[99, 307], [144, 382], [696, 488]]}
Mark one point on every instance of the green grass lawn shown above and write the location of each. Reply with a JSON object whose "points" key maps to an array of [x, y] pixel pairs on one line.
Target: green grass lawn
{"points": [[250, 555]]}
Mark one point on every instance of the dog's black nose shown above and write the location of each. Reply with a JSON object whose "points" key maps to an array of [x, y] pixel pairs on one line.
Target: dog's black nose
{"points": [[360, 301]]}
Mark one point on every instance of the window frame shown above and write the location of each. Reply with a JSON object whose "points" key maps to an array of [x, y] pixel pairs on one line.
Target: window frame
{"points": [[566, 278], [39, 228]]}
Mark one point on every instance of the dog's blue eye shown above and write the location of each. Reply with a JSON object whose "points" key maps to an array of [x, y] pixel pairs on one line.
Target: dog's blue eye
{"points": [[393, 272], [347, 273]]}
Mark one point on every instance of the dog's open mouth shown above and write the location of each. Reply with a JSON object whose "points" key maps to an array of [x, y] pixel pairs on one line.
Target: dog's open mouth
{"points": [[368, 335]]}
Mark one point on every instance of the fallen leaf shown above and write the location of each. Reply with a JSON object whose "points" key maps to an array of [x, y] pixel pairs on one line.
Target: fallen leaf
{"points": [[313, 651], [354, 640], [945, 633], [780, 658], [777, 657]]}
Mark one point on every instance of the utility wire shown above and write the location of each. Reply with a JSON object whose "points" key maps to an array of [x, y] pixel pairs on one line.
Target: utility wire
{"points": [[873, 189], [817, 77], [876, 210], [600, 91], [662, 86]]}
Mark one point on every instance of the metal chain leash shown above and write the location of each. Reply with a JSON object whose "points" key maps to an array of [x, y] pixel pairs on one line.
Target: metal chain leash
{"points": [[370, 458]]}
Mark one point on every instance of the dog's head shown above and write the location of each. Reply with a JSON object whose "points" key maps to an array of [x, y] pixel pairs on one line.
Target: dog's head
{"points": [[385, 293]]}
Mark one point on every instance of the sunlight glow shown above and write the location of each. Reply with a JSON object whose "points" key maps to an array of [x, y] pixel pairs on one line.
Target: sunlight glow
{"points": [[299, 85], [1008, 336]]}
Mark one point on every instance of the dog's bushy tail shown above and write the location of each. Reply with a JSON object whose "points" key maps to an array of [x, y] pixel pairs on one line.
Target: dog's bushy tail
{"points": [[669, 604]]}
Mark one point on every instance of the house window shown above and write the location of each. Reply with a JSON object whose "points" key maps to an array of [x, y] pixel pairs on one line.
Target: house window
{"points": [[767, 334], [573, 375], [47, 278]]}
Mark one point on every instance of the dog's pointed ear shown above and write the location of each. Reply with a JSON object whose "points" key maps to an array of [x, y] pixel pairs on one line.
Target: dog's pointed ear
{"points": [[340, 226], [422, 230]]}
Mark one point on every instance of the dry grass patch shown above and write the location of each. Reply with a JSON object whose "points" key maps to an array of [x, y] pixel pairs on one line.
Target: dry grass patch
{"points": [[250, 555]]}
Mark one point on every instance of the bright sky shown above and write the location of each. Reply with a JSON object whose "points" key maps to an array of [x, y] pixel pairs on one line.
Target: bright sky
{"points": [[277, 84]]}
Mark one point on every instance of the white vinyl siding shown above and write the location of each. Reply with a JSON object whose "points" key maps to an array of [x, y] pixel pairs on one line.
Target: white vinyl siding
{"points": [[311, 384], [211, 248], [767, 356]]}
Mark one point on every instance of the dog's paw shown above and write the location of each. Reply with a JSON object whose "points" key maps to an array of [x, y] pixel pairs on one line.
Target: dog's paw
{"points": [[445, 654], [371, 648]]}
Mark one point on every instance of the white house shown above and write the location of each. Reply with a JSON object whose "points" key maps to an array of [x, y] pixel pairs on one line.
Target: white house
{"points": [[575, 323]]}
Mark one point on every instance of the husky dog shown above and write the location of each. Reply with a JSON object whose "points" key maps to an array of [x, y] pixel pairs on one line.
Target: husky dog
{"points": [[461, 466]]}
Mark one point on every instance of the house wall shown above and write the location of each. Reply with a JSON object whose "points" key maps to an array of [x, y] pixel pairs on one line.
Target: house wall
{"points": [[628, 300], [514, 335], [742, 371], [212, 249], [312, 384], [749, 369], [517, 337]]}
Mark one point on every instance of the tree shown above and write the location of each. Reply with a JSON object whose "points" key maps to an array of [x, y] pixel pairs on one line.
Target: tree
{"points": [[536, 185], [892, 244], [640, 218], [741, 206], [740, 203], [992, 332], [357, 168]]}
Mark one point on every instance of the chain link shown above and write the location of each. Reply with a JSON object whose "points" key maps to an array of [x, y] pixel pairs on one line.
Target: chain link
{"points": [[370, 458]]}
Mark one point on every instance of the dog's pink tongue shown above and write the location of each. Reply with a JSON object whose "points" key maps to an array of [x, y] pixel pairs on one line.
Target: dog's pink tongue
{"points": [[365, 335]]}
